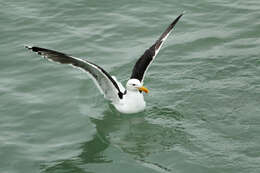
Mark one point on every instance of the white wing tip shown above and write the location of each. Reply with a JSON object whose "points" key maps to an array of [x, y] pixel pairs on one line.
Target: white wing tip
{"points": [[28, 46]]}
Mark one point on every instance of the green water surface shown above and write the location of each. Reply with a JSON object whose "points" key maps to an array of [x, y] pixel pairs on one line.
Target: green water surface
{"points": [[203, 111]]}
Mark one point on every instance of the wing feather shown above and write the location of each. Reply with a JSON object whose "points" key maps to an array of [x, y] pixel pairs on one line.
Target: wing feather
{"points": [[106, 84], [149, 55]]}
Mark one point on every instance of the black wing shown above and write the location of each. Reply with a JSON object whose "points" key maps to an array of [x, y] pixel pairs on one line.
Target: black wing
{"points": [[106, 84], [147, 58]]}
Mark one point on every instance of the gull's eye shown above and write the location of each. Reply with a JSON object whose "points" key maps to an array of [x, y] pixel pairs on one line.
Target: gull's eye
{"points": [[133, 84]]}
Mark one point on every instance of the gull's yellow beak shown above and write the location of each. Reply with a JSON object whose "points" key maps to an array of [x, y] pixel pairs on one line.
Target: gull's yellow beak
{"points": [[143, 89]]}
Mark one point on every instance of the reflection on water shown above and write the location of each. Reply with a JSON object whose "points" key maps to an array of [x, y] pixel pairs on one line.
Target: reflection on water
{"points": [[135, 135], [206, 77]]}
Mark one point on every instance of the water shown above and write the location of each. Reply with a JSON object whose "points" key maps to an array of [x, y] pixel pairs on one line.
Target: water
{"points": [[202, 112]]}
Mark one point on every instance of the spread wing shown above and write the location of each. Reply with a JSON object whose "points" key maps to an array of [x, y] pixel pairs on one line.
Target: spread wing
{"points": [[149, 55], [106, 84]]}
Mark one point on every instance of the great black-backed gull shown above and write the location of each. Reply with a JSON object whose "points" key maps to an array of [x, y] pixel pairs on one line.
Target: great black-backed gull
{"points": [[129, 100]]}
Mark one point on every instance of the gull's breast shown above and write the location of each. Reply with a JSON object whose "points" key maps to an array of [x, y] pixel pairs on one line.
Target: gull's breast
{"points": [[132, 102]]}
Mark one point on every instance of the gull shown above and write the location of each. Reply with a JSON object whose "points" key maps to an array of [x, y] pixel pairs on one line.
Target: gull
{"points": [[126, 100]]}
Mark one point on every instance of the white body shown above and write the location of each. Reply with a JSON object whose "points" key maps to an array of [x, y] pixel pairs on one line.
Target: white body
{"points": [[132, 102]]}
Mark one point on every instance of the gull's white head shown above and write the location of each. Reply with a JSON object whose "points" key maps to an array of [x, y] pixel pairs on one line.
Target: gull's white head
{"points": [[135, 85]]}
